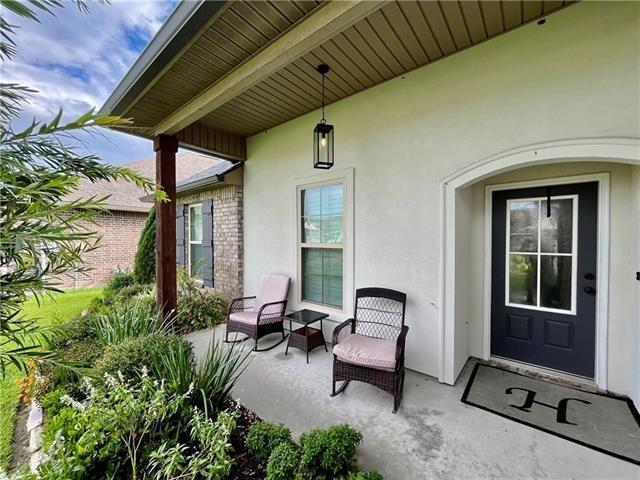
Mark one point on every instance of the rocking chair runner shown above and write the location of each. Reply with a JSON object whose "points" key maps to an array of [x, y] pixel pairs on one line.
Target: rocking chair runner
{"points": [[374, 350], [261, 314]]}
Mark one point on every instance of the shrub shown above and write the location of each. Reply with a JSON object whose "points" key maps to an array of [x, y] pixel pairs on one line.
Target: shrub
{"points": [[122, 288], [76, 344], [57, 423], [130, 355], [120, 279], [264, 437], [148, 298], [79, 355], [144, 267], [372, 475], [97, 304], [283, 462], [329, 452], [131, 292], [82, 353], [207, 457], [211, 380], [125, 294], [135, 431], [51, 403], [199, 308], [129, 319], [79, 328]]}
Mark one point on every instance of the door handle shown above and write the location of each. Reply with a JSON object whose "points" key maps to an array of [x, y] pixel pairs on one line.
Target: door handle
{"points": [[590, 290]]}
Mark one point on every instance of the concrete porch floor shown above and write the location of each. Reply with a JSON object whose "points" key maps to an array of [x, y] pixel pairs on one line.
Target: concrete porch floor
{"points": [[433, 435]]}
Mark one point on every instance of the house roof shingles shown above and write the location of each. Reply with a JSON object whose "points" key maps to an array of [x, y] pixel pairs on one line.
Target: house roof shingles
{"points": [[126, 196], [213, 171]]}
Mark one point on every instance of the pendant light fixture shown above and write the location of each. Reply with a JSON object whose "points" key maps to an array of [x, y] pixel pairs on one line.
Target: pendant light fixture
{"points": [[323, 133]]}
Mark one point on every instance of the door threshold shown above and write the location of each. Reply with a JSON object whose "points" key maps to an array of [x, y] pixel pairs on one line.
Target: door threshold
{"points": [[548, 374]]}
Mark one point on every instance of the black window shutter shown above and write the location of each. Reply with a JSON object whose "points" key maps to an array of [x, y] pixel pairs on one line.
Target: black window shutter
{"points": [[180, 234], [207, 242]]}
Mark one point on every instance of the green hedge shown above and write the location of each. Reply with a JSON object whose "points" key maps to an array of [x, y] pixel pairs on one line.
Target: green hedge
{"points": [[130, 355], [144, 268], [264, 437]]}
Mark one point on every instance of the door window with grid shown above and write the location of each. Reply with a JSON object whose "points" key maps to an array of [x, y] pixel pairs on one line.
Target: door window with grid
{"points": [[541, 253], [321, 247]]}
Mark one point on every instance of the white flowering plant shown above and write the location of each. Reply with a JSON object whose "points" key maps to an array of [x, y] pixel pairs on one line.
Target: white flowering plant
{"points": [[141, 430]]}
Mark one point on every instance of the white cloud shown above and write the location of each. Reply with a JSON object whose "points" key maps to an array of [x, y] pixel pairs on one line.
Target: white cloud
{"points": [[75, 60]]}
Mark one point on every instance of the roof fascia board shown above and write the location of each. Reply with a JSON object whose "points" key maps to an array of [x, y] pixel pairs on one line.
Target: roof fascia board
{"points": [[199, 185], [193, 187], [179, 30], [313, 30], [125, 208], [208, 181]]}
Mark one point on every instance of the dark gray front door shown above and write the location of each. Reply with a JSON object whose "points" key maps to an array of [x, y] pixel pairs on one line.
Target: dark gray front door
{"points": [[543, 298]]}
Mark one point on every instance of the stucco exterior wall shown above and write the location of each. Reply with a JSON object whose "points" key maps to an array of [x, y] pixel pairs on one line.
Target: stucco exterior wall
{"points": [[576, 76], [635, 270]]}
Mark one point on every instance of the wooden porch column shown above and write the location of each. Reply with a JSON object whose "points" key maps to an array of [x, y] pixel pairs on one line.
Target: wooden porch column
{"points": [[166, 147]]}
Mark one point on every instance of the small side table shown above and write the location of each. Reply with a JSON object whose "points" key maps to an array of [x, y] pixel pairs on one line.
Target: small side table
{"points": [[306, 338]]}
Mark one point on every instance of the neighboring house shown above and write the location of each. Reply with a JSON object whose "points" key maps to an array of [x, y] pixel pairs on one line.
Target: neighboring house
{"points": [[121, 226], [209, 226], [443, 170]]}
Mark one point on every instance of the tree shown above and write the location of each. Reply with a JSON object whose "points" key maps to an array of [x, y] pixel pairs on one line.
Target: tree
{"points": [[41, 237], [144, 267]]}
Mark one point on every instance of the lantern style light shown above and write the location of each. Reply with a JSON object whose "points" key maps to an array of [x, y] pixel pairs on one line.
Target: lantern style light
{"points": [[323, 134]]}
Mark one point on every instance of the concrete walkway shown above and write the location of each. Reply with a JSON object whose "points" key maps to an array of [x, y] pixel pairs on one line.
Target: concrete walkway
{"points": [[433, 435]]}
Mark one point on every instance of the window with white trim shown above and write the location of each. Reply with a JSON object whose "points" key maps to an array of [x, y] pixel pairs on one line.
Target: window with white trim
{"points": [[321, 247], [195, 241], [541, 264]]}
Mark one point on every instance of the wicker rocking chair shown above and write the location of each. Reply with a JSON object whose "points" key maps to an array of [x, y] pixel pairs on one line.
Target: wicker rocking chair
{"points": [[373, 352], [262, 314]]}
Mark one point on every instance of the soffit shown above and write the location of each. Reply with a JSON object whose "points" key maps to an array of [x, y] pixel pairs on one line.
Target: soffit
{"points": [[398, 37], [393, 40], [238, 32]]}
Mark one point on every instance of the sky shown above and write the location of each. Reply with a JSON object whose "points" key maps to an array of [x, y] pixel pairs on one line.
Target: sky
{"points": [[75, 60]]}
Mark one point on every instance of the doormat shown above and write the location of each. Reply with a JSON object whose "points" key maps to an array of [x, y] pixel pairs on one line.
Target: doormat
{"points": [[606, 423]]}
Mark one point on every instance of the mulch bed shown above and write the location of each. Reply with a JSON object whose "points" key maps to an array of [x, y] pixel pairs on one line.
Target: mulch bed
{"points": [[245, 465]]}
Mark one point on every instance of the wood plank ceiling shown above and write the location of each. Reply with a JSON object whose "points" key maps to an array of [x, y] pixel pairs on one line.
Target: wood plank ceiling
{"points": [[399, 37], [239, 32]]}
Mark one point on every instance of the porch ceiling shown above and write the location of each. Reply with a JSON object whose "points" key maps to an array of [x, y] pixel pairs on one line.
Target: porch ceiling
{"points": [[371, 43], [234, 33], [397, 38]]}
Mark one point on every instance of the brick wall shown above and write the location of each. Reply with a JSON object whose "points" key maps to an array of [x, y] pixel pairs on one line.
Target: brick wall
{"points": [[228, 252], [120, 233]]}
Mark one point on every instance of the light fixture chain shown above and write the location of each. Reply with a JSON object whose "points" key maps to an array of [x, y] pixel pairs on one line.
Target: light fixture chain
{"points": [[323, 120]]}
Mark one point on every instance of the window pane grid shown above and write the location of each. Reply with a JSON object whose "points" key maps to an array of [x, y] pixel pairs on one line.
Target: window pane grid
{"points": [[195, 240], [541, 272], [542, 254], [321, 245], [322, 214]]}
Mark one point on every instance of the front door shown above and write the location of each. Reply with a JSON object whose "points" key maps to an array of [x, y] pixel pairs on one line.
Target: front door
{"points": [[543, 298]]}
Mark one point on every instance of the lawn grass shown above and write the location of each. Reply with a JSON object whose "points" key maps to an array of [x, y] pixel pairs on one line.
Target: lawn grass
{"points": [[8, 403], [60, 307], [52, 310]]}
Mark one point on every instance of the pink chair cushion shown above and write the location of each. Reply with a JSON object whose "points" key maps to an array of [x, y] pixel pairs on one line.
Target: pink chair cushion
{"points": [[250, 318], [272, 288], [367, 351]]}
